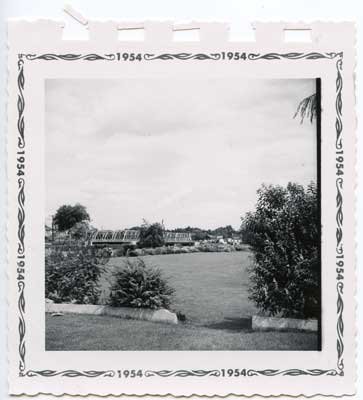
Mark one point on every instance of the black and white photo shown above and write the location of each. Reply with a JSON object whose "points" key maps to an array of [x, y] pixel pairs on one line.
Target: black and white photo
{"points": [[193, 203]]}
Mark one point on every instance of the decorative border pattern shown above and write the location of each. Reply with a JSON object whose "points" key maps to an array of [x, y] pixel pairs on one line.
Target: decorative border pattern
{"points": [[182, 56], [339, 370], [293, 56], [71, 373], [339, 252], [21, 216], [292, 372], [183, 373], [70, 57]]}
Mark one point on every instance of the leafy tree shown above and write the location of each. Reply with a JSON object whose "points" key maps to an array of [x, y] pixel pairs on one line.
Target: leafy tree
{"points": [[151, 235], [67, 216], [283, 233]]}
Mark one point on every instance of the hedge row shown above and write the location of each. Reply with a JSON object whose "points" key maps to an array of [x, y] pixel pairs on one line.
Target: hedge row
{"points": [[203, 248]]}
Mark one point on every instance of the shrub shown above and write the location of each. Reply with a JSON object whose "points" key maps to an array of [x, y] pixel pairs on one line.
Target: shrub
{"points": [[140, 286], [169, 250], [209, 247], [123, 250], [283, 233], [120, 252], [163, 250], [71, 275], [103, 252], [133, 253], [241, 247], [148, 252]]}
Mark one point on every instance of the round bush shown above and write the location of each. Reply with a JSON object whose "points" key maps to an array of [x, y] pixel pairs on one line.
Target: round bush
{"points": [[137, 285]]}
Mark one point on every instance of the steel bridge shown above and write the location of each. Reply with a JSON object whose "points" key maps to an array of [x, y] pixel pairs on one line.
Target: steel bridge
{"points": [[131, 236]]}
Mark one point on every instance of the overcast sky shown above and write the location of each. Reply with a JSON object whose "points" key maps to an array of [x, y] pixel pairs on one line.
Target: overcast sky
{"points": [[190, 152]]}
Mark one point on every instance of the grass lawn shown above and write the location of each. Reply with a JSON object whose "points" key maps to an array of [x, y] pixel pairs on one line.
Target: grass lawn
{"points": [[86, 332], [211, 289]]}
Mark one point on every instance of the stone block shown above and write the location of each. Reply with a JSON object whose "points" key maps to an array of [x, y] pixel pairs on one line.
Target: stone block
{"points": [[264, 323], [145, 314]]}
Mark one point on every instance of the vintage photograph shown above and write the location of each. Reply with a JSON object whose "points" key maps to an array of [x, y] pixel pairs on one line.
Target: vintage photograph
{"points": [[182, 214]]}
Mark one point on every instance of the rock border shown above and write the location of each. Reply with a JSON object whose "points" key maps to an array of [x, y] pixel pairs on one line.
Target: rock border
{"points": [[264, 323], [162, 315]]}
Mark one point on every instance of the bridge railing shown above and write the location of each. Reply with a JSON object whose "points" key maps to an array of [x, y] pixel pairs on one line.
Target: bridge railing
{"points": [[128, 236]]}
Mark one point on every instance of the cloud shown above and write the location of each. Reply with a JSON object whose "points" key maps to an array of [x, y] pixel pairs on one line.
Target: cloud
{"points": [[191, 152]]}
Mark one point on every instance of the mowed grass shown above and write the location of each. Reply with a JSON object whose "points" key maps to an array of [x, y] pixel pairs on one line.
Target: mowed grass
{"points": [[86, 332], [211, 289]]}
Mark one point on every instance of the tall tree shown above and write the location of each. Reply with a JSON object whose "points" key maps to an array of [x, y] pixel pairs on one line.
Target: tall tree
{"points": [[67, 216]]}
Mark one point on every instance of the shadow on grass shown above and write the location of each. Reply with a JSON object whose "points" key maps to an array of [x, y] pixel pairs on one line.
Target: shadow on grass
{"points": [[232, 324]]}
